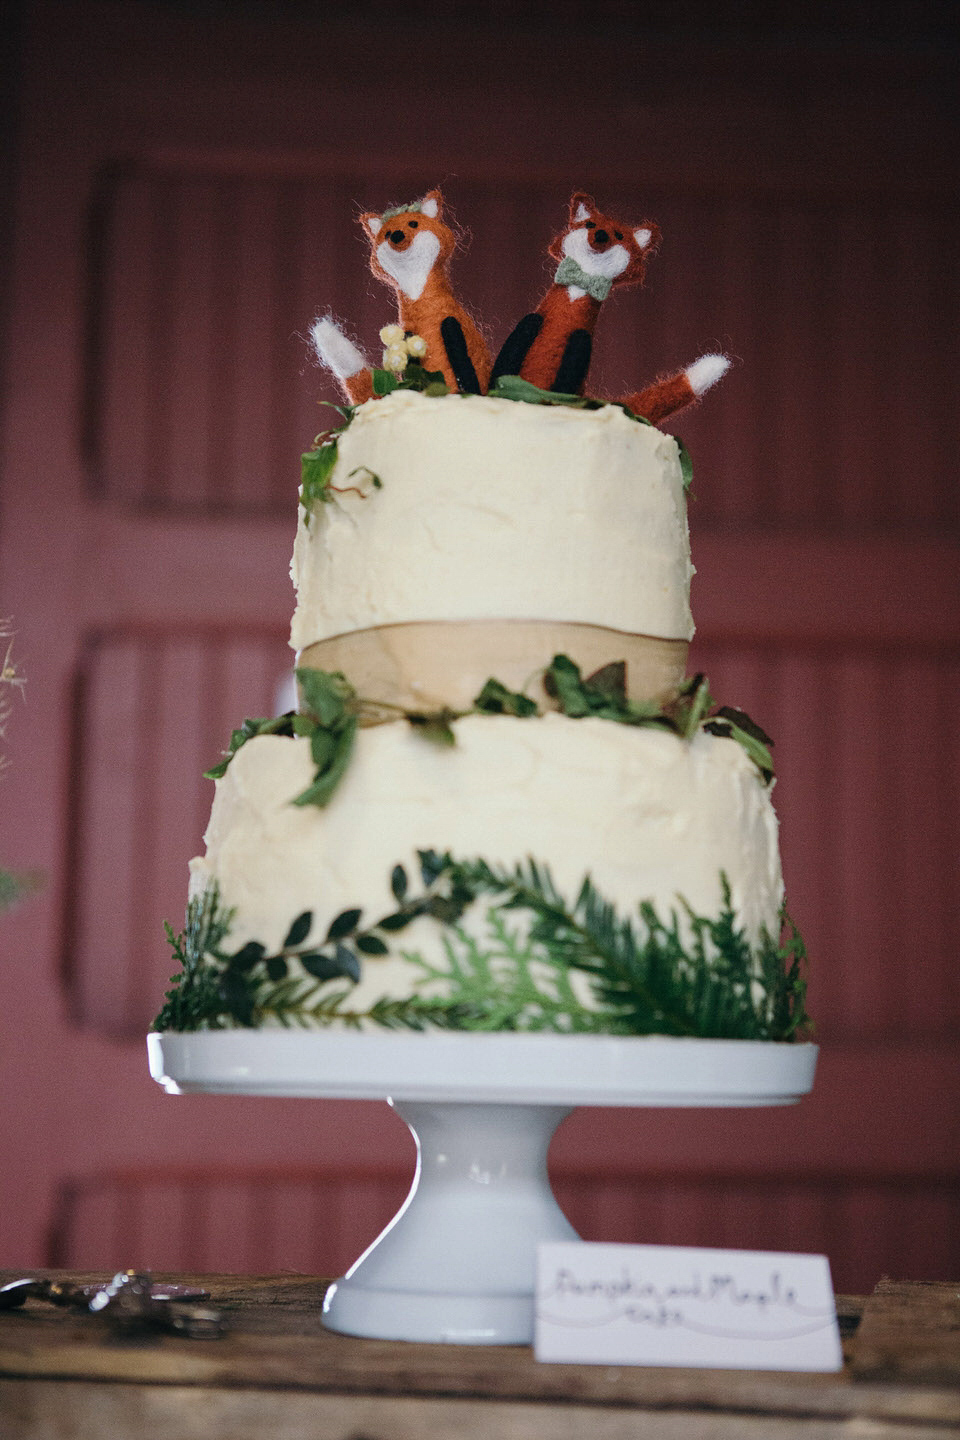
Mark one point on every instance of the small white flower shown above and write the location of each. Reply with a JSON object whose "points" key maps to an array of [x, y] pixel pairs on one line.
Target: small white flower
{"points": [[416, 346], [392, 335], [395, 358]]}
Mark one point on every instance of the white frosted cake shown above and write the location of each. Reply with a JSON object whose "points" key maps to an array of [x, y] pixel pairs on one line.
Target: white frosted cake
{"points": [[583, 844]]}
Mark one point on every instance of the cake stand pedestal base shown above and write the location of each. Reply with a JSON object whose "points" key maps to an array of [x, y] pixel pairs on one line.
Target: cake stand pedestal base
{"points": [[457, 1262]]}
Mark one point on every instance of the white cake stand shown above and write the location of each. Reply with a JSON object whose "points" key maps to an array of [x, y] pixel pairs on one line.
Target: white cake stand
{"points": [[457, 1262]]}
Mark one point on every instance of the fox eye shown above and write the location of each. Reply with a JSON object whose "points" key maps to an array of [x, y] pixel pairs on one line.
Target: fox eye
{"points": [[591, 225], [413, 224], [618, 234]]}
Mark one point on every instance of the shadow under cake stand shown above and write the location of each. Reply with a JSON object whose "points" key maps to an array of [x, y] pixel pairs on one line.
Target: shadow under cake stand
{"points": [[457, 1262]]}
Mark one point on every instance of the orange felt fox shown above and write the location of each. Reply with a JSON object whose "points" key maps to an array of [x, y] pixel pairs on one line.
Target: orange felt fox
{"points": [[552, 346], [411, 249]]}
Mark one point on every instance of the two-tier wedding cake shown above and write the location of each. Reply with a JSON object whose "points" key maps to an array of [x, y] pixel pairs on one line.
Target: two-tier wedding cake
{"points": [[498, 803]]}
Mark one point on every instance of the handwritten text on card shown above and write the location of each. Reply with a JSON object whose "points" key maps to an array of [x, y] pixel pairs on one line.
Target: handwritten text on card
{"points": [[669, 1305]]}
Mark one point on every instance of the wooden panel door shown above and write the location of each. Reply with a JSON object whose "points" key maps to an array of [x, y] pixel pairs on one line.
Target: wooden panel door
{"points": [[186, 202]]}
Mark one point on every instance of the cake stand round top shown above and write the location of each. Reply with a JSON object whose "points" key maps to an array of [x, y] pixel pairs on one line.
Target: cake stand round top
{"points": [[537, 1069]]}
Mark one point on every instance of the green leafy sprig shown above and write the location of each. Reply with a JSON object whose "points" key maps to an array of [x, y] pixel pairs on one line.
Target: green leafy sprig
{"points": [[328, 719], [649, 976], [604, 696]]}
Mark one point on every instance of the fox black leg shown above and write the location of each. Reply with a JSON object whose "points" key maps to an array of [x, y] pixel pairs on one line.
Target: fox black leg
{"points": [[572, 370], [516, 347], [451, 333]]}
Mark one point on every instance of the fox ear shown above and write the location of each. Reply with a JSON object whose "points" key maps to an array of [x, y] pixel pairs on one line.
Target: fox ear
{"points": [[647, 236], [431, 203], [372, 222], [582, 207]]}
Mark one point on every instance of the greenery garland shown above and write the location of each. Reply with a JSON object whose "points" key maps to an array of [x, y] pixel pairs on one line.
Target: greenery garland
{"points": [[331, 711], [690, 974]]}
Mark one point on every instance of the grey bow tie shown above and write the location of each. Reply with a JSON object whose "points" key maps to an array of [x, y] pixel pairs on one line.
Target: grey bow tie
{"points": [[569, 272]]}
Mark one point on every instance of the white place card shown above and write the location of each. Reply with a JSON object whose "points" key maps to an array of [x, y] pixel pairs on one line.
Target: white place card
{"points": [[672, 1305]]}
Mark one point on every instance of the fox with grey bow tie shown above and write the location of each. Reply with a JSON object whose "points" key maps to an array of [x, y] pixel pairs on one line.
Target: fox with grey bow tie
{"points": [[551, 346]]}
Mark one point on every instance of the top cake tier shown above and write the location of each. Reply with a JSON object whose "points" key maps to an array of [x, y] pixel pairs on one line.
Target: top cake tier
{"points": [[488, 509]]}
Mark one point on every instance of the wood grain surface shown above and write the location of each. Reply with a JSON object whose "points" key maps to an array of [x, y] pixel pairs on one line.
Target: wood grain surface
{"points": [[63, 1374]]}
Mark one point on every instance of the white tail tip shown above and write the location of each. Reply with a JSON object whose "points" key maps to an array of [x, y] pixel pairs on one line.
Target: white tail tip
{"points": [[706, 372], [334, 349]]}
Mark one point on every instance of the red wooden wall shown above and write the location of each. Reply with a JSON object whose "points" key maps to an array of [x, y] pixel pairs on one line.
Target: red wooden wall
{"points": [[187, 187]]}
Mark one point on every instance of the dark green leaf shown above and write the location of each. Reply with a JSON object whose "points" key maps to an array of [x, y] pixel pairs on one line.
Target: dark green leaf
{"points": [[610, 680], [277, 967], [316, 467], [384, 382], [399, 883], [247, 956], [331, 967], [326, 695], [237, 997], [496, 699], [323, 747], [686, 464], [432, 865], [398, 921], [435, 726], [371, 945], [349, 963], [562, 681], [742, 720], [344, 924], [299, 930]]}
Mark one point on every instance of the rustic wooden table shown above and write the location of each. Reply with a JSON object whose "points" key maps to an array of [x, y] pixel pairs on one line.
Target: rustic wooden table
{"points": [[278, 1370]]}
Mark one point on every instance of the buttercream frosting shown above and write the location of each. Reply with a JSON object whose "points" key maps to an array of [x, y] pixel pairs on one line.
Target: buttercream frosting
{"points": [[496, 509]]}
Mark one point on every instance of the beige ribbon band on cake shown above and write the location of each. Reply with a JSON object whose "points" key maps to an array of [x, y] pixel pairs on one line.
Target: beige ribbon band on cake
{"points": [[429, 664]]}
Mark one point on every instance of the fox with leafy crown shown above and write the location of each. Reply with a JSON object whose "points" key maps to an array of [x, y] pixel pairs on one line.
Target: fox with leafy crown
{"points": [[411, 248], [551, 346]]}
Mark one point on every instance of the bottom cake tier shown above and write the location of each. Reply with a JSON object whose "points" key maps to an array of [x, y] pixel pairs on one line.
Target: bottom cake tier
{"points": [[548, 873]]}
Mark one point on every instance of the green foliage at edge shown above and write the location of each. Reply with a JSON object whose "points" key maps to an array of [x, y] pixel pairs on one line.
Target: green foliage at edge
{"points": [[687, 975]]}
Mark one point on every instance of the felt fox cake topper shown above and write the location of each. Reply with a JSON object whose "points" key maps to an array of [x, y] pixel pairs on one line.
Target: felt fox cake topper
{"points": [[411, 248], [551, 346]]}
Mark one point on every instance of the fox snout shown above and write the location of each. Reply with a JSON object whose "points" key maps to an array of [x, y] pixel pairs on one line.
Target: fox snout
{"points": [[400, 239], [602, 239]]}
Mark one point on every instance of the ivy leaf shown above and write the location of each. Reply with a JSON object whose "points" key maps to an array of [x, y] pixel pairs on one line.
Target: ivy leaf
{"points": [[496, 699], [610, 680], [384, 382], [299, 930], [435, 725], [323, 747], [512, 387], [327, 779], [344, 924], [743, 722], [326, 694], [316, 467], [686, 464], [399, 883], [269, 725], [759, 753], [372, 945], [563, 683]]}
